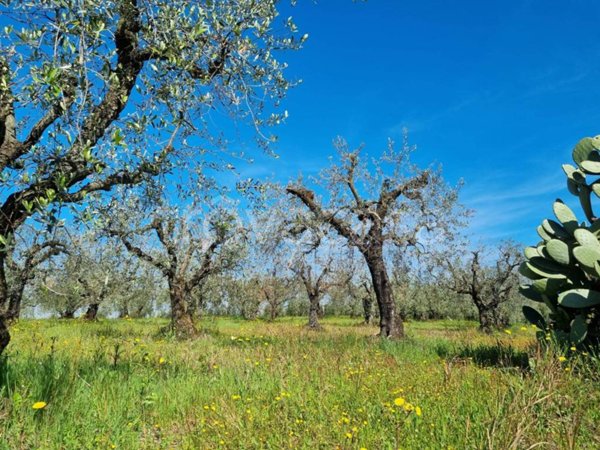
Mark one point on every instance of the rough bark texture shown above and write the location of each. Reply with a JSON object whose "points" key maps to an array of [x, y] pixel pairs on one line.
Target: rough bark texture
{"points": [[391, 324], [367, 303], [92, 311], [4, 335], [490, 318], [14, 305], [313, 312], [182, 322], [273, 308]]}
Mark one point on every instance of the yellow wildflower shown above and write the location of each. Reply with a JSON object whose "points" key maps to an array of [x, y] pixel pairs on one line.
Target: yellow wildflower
{"points": [[562, 358], [508, 331], [399, 401], [39, 405]]}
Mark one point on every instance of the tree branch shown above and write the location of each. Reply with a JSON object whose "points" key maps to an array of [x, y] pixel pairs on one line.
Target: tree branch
{"points": [[308, 198]]}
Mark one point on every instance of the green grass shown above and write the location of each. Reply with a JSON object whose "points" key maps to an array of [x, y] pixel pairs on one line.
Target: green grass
{"points": [[246, 385]]}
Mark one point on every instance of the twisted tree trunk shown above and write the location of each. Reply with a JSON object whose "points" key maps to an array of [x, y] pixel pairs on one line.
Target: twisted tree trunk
{"points": [[14, 307], [391, 324], [182, 322], [313, 312], [92, 311], [367, 303]]}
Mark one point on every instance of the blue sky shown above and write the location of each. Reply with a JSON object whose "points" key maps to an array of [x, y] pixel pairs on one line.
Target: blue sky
{"points": [[497, 91]]}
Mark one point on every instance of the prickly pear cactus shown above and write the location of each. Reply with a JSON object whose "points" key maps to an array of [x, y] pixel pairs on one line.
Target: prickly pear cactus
{"points": [[564, 267]]}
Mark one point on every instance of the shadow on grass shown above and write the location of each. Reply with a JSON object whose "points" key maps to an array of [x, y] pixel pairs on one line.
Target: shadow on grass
{"points": [[498, 355]]}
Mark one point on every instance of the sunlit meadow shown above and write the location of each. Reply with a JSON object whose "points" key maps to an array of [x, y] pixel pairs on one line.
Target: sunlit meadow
{"points": [[254, 384]]}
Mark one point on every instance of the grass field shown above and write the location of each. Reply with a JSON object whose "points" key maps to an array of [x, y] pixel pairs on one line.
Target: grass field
{"points": [[246, 385]]}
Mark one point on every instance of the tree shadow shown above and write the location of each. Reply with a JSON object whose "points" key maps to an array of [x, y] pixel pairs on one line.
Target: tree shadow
{"points": [[484, 355]]}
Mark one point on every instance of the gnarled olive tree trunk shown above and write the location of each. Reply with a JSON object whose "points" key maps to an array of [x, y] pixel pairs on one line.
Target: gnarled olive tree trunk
{"points": [[182, 322], [391, 324], [92, 311], [14, 305], [367, 303], [313, 312], [490, 318]]}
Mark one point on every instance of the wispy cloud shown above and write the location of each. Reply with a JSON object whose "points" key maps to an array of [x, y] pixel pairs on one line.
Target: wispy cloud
{"points": [[505, 207]]}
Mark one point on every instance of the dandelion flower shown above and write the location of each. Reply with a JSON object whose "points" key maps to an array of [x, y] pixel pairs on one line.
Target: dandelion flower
{"points": [[562, 358], [39, 405], [508, 331], [399, 401], [418, 411], [573, 349], [161, 360], [349, 435]]}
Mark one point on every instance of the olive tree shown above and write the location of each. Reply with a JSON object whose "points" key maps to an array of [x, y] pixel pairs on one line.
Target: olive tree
{"points": [[379, 202], [90, 272], [144, 294], [242, 294], [315, 259], [95, 94], [298, 247], [185, 246], [365, 291], [25, 254], [487, 276]]}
